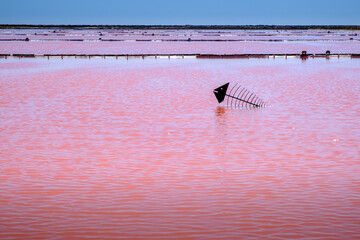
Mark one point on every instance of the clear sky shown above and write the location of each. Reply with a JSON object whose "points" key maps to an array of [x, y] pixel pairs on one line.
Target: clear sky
{"points": [[179, 12]]}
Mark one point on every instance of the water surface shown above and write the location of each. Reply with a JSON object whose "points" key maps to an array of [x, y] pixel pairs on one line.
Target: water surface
{"points": [[116, 148]]}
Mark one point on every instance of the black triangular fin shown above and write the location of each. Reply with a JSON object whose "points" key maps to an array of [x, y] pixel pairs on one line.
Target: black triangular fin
{"points": [[220, 92]]}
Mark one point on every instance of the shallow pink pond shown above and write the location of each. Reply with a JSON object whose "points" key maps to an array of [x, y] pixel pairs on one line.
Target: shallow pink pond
{"points": [[63, 47], [152, 41], [58, 34], [138, 148]]}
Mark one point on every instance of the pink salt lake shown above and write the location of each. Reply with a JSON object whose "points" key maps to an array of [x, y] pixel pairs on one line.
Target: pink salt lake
{"points": [[156, 41], [116, 148]]}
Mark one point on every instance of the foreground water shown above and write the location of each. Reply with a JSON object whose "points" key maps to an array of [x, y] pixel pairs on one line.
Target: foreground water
{"points": [[107, 148]]}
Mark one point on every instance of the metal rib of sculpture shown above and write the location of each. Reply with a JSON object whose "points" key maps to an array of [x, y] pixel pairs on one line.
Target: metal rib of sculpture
{"points": [[243, 97]]}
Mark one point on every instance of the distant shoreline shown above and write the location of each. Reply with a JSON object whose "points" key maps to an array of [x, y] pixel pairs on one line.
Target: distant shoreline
{"points": [[203, 27]]}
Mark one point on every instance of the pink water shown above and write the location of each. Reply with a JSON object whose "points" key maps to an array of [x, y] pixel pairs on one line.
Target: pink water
{"points": [[178, 34], [107, 148], [146, 41], [64, 47]]}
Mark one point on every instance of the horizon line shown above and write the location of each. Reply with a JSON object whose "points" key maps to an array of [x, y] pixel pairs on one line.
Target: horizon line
{"points": [[189, 26]]}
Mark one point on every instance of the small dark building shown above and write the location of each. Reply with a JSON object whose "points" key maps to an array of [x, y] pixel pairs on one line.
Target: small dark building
{"points": [[303, 55]]}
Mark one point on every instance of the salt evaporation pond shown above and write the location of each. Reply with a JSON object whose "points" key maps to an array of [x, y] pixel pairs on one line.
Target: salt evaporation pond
{"points": [[175, 41], [130, 48], [116, 148]]}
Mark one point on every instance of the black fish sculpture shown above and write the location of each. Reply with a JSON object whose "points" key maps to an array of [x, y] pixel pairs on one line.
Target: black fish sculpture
{"points": [[243, 97]]}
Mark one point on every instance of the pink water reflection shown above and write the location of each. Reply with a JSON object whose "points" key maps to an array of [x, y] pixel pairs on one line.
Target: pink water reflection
{"points": [[140, 149]]}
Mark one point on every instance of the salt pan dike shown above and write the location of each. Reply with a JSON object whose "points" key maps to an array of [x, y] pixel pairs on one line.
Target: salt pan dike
{"points": [[176, 42]]}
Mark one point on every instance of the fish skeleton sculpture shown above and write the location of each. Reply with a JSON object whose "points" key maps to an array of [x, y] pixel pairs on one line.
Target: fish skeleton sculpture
{"points": [[243, 97]]}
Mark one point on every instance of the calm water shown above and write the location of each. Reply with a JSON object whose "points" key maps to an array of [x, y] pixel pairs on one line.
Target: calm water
{"points": [[178, 34], [142, 47], [107, 148], [154, 41]]}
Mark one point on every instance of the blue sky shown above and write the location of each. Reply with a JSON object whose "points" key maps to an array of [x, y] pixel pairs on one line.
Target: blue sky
{"points": [[176, 12]]}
